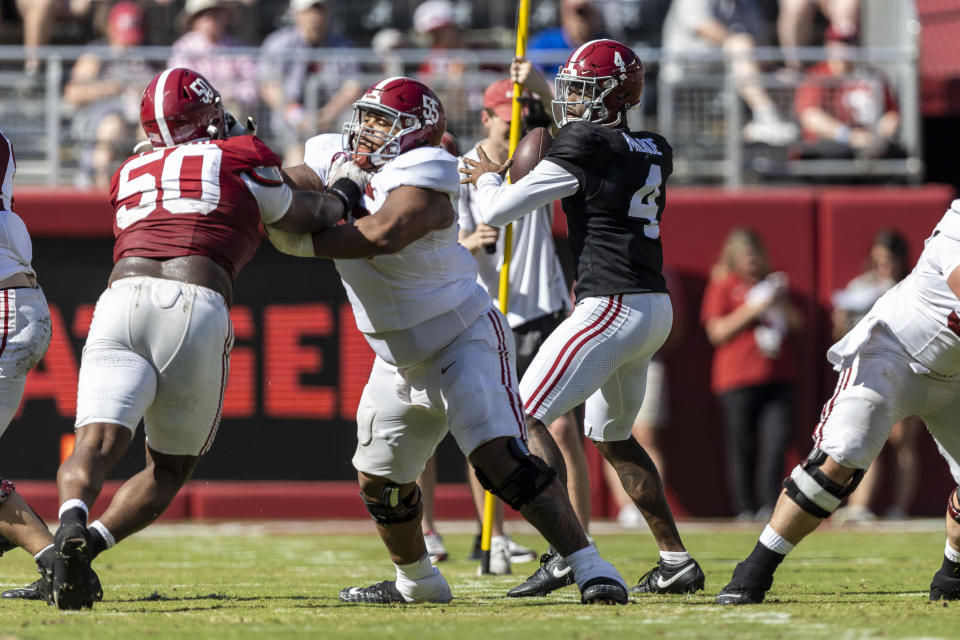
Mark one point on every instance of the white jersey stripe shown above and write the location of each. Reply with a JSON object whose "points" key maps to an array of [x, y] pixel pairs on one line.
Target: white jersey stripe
{"points": [[158, 108]]}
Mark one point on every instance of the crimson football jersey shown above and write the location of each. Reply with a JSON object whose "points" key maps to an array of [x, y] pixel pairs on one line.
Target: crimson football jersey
{"points": [[190, 199]]}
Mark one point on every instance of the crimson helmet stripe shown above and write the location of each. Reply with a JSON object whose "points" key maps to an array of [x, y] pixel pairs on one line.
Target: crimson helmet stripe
{"points": [[158, 108]]}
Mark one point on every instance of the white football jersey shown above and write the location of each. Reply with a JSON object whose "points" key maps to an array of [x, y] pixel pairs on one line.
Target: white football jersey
{"points": [[425, 279], [921, 311], [537, 284], [16, 249]]}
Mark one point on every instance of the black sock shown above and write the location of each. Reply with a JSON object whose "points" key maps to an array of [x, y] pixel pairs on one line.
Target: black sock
{"points": [[45, 558], [97, 544], [766, 558], [74, 515], [950, 567]]}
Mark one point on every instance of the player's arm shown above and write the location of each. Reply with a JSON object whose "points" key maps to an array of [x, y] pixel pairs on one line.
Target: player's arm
{"points": [[501, 203], [408, 214], [285, 209]]}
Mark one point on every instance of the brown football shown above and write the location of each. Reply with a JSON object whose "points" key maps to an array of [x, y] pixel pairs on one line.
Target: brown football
{"points": [[529, 152]]}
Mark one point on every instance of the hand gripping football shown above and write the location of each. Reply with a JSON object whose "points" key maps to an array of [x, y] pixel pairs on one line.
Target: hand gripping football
{"points": [[529, 152]]}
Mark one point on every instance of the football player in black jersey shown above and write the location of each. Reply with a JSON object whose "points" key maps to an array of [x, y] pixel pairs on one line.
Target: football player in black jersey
{"points": [[612, 182]]}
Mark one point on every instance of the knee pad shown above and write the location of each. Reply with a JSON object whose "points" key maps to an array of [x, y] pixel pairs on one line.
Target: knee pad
{"points": [[528, 480], [813, 491], [6, 490], [390, 508], [952, 507]]}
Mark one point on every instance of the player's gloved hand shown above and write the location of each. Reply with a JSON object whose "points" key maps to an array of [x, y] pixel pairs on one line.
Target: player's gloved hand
{"points": [[234, 128], [344, 167]]}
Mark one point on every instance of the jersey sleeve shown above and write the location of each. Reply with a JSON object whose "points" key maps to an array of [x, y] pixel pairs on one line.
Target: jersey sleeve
{"points": [[426, 167], [576, 147], [247, 152], [319, 151]]}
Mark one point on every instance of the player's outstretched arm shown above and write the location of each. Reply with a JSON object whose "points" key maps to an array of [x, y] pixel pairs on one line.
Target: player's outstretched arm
{"points": [[408, 214], [502, 203]]}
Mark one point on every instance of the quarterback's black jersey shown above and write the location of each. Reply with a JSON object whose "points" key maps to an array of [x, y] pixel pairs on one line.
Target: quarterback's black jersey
{"points": [[613, 220]]}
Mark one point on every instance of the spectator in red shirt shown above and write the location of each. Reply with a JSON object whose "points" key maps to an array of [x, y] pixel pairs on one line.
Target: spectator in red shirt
{"points": [[747, 315], [846, 110]]}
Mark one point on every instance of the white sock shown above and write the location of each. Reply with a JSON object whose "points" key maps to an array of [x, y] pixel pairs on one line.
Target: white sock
{"points": [[674, 557], [72, 503], [415, 584], [951, 554], [107, 536], [773, 541], [587, 565], [40, 553]]}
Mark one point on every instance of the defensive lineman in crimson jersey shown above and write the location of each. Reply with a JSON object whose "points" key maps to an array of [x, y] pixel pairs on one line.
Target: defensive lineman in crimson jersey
{"points": [[612, 182], [187, 219], [445, 357]]}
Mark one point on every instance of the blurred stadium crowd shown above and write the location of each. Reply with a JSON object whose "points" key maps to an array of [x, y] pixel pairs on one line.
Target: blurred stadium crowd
{"points": [[746, 90]]}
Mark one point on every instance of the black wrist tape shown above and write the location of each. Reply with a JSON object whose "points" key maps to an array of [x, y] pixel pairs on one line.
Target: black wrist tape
{"points": [[348, 193]]}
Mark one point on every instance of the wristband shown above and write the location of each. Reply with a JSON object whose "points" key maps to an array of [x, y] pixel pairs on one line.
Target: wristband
{"points": [[347, 191]]}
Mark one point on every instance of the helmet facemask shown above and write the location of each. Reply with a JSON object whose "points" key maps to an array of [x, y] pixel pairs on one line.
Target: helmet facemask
{"points": [[589, 92], [387, 144]]}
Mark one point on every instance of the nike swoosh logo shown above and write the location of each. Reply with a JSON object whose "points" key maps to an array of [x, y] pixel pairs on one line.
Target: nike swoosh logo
{"points": [[663, 584], [559, 573], [444, 370]]}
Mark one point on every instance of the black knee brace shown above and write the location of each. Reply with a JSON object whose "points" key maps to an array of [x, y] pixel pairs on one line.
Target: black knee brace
{"points": [[528, 480], [952, 509], [6, 490], [390, 508], [813, 491]]}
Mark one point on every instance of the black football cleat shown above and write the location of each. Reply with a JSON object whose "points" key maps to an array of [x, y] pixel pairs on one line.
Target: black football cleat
{"points": [[381, 593], [671, 578], [71, 583], [603, 591], [732, 594], [944, 587], [554, 573], [748, 585], [41, 590]]}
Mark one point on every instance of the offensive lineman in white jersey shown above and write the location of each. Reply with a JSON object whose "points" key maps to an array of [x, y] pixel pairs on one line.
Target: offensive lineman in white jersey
{"points": [[444, 355], [24, 337], [901, 359]]}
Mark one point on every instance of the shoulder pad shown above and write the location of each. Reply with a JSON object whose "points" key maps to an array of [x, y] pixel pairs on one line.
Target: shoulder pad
{"points": [[426, 167], [318, 152], [249, 151]]}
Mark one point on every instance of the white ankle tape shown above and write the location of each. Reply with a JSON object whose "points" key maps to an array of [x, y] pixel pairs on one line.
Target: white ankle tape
{"points": [[775, 542], [107, 536], [952, 554], [73, 503]]}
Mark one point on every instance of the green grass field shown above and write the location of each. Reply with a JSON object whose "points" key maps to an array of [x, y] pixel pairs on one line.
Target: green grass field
{"points": [[264, 581]]}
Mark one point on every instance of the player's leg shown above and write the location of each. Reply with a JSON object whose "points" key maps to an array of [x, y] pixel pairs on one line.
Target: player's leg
{"points": [[871, 395], [485, 417], [396, 436], [945, 584], [568, 434], [427, 483]]}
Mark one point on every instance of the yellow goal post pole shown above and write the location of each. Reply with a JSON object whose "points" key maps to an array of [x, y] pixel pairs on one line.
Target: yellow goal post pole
{"points": [[523, 16]]}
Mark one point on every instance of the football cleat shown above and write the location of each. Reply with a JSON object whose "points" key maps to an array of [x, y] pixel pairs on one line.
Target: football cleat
{"points": [[554, 573], [671, 578], [748, 585], [603, 591], [435, 548], [381, 593], [71, 580], [732, 594], [40, 590], [944, 587]]}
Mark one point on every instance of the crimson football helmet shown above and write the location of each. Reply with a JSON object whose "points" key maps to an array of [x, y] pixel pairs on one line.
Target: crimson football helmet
{"points": [[415, 112], [604, 76], [180, 105]]}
